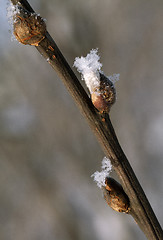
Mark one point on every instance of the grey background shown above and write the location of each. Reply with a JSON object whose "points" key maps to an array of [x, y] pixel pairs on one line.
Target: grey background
{"points": [[47, 150]]}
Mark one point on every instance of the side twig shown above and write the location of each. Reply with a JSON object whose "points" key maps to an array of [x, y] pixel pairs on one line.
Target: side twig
{"points": [[139, 205]]}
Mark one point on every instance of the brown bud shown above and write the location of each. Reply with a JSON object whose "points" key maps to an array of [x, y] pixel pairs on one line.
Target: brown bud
{"points": [[29, 28], [104, 96], [115, 196]]}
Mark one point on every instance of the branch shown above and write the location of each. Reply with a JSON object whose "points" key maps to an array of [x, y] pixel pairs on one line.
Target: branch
{"points": [[139, 205]]}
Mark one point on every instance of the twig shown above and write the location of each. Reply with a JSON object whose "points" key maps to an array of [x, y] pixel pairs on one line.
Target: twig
{"points": [[140, 207]]}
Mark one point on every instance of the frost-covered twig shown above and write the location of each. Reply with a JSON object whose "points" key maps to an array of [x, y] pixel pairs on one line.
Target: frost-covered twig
{"points": [[140, 207]]}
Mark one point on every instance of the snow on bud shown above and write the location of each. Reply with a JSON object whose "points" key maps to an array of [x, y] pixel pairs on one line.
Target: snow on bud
{"points": [[101, 88], [28, 28], [89, 67], [99, 177]]}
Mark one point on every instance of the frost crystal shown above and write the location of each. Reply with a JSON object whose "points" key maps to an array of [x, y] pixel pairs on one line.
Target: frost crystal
{"points": [[12, 10], [114, 78], [89, 67], [99, 177]]}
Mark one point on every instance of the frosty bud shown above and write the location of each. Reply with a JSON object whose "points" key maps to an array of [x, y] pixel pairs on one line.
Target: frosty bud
{"points": [[104, 95], [115, 196], [29, 28], [101, 88]]}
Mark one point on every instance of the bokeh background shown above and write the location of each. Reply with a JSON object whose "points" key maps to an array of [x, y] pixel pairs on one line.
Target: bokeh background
{"points": [[47, 150]]}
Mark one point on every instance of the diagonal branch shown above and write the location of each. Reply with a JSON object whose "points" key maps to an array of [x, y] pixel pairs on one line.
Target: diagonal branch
{"points": [[139, 204]]}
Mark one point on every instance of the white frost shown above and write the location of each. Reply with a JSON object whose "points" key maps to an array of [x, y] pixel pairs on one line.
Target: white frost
{"points": [[89, 67], [12, 10], [114, 78], [99, 177]]}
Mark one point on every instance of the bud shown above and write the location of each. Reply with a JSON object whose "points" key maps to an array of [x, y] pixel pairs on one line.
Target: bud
{"points": [[115, 196], [104, 95], [29, 28], [101, 88]]}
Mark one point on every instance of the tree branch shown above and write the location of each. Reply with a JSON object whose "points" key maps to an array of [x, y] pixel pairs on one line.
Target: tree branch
{"points": [[140, 207]]}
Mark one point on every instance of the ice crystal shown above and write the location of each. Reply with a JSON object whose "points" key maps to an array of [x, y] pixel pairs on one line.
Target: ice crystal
{"points": [[90, 67], [114, 78], [12, 10], [99, 177]]}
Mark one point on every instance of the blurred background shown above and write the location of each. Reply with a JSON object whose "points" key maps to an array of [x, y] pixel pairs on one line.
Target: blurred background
{"points": [[47, 150]]}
